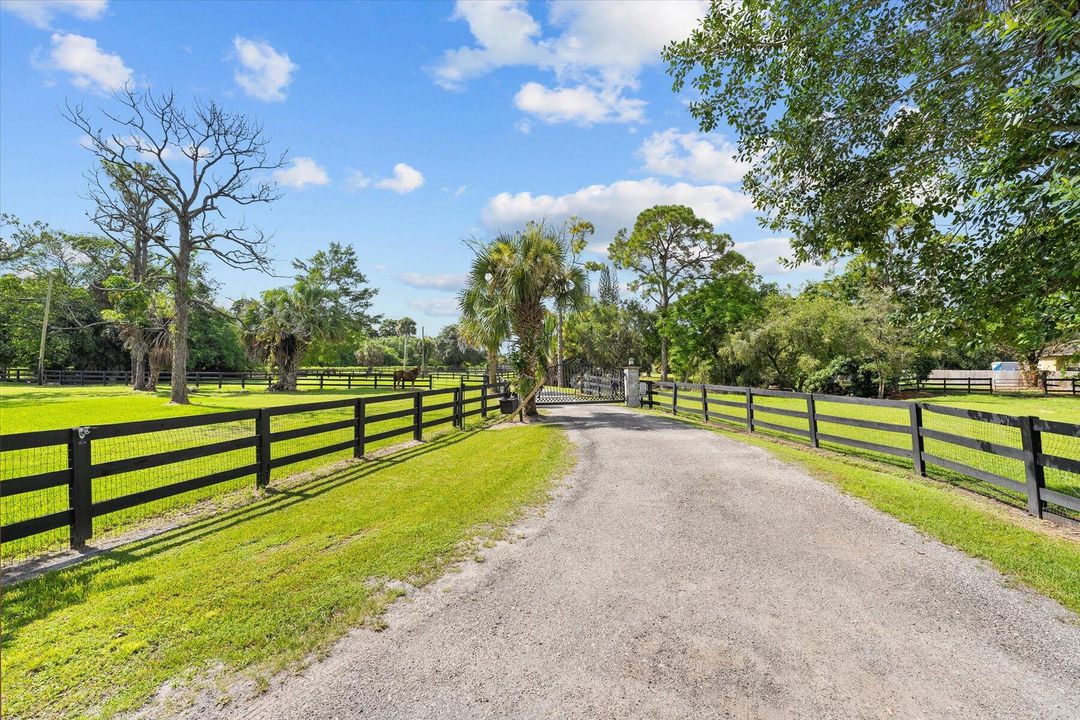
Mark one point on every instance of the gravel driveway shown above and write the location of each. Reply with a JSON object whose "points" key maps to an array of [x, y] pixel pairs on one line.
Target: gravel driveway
{"points": [[684, 575]]}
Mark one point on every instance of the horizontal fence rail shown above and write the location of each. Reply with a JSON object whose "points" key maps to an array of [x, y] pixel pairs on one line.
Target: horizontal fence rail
{"points": [[948, 384], [66, 474], [323, 379], [1036, 460]]}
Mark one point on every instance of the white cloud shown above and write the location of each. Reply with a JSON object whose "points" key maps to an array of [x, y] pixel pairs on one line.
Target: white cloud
{"points": [[505, 34], [264, 72], [357, 180], [89, 67], [40, 13], [614, 206], [766, 254], [597, 48], [303, 171], [433, 281], [692, 155], [579, 104], [437, 307], [406, 179]]}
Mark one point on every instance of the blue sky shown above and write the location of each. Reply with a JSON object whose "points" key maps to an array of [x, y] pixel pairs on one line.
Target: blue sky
{"points": [[410, 126]]}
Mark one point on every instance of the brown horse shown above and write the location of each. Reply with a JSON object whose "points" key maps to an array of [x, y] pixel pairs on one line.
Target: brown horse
{"points": [[404, 376]]}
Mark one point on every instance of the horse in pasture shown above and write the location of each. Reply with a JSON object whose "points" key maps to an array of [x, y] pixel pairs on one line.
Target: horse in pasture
{"points": [[404, 376]]}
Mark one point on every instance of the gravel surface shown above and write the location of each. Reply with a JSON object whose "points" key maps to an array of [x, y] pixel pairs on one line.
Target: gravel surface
{"points": [[681, 574]]}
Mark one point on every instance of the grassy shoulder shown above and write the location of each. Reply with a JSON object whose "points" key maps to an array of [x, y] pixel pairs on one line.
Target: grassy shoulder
{"points": [[262, 587], [1041, 558]]}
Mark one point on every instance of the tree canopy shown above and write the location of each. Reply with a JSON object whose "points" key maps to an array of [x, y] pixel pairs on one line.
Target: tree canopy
{"points": [[939, 140], [669, 250]]}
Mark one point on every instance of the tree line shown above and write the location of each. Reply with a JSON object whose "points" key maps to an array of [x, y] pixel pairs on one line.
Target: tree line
{"points": [[931, 148]]}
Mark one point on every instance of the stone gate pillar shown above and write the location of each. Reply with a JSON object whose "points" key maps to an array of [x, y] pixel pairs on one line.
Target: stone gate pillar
{"points": [[632, 384]]}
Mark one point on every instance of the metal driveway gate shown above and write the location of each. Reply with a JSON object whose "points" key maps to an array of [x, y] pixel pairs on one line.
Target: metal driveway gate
{"points": [[579, 382]]}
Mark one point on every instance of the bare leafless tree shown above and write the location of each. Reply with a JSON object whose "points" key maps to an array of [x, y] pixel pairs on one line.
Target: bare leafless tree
{"points": [[204, 160]]}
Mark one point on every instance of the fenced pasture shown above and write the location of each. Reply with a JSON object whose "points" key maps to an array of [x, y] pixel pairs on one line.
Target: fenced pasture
{"points": [[69, 484], [990, 381], [1023, 460], [316, 378]]}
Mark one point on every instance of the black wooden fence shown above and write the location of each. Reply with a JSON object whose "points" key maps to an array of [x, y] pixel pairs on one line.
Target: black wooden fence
{"points": [[1060, 386], [321, 379], [949, 384], [1028, 448], [82, 469], [1047, 384]]}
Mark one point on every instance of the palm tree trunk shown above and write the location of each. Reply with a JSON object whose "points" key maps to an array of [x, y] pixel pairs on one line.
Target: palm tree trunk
{"points": [[559, 349], [530, 331], [493, 365]]}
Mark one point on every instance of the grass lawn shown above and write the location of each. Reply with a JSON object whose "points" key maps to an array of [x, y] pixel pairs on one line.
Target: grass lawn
{"points": [[262, 587], [25, 408], [1063, 408], [1045, 560]]}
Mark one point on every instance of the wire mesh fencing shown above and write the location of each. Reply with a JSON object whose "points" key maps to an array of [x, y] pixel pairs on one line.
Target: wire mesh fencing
{"points": [[34, 485], [62, 486], [123, 469]]}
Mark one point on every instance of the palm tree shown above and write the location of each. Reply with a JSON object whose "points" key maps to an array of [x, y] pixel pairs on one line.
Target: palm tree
{"points": [[570, 293], [570, 290], [282, 323], [524, 271], [485, 321]]}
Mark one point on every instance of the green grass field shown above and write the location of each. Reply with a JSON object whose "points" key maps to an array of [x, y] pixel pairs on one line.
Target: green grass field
{"points": [[262, 587], [25, 408], [1062, 409]]}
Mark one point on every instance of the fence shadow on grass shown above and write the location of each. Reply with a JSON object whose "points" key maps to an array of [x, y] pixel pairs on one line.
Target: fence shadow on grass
{"points": [[69, 584]]}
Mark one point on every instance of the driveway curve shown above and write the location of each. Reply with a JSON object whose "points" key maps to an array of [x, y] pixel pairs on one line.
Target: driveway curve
{"points": [[681, 574]]}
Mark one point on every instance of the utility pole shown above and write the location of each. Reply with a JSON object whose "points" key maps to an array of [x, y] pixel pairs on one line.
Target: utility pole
{"points": [[423, 352], [44, 332]]}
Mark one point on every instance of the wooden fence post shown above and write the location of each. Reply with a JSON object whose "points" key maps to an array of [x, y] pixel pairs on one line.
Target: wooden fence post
{"points": [[418, 417], [811, 417], [1031, 439], [704, 403], [359, 413], [749, 410], [262, 429], [459, 406], [674, 397], [483, 399], [80, 495], [915, 412]]}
